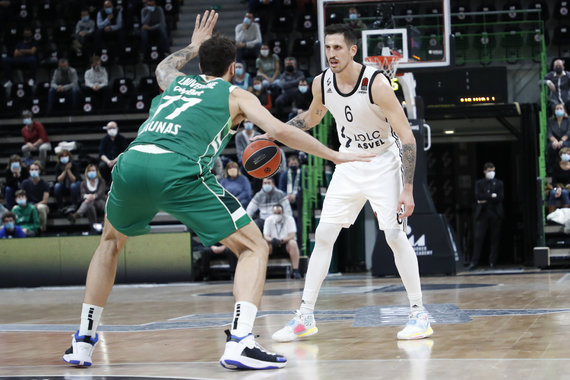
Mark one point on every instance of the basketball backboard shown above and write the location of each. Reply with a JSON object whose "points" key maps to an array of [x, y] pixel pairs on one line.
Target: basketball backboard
{"points": [[418, 30]]}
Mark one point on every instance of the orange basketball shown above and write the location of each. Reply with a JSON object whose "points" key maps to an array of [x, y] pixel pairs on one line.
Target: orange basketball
{"points": [[261, 158]]}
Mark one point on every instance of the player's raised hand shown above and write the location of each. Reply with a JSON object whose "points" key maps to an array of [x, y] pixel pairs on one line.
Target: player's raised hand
{"points": [[342, 157], [204, 27]]}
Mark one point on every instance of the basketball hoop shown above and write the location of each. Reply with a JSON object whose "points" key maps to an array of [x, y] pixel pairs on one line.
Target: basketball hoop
{"points": [[388, 64]]}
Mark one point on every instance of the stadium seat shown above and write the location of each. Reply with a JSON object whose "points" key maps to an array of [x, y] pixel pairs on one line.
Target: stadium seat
{"points": [[485, 45], [512, 7], [461, 17], [513, 43], [462, 44], [561, 35], [562, 10], [534, 41], [307, 24], [487, 6], [282, 24], [279, 47], [543, 6]]}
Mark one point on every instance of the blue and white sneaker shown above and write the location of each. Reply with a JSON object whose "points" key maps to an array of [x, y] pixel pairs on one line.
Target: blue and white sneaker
{"points": [[246, 353], [79, 354], [418, 325]]}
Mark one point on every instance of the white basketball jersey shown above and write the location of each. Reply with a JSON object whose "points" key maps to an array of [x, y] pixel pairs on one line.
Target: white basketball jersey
{"points": [[361, 125]]}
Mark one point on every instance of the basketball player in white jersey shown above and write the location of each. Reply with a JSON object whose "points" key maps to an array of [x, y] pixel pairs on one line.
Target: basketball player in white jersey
{"points": [[369, 119]]}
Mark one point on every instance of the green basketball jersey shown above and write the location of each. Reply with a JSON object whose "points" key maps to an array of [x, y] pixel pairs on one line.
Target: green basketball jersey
{"points": [[192, 118]]}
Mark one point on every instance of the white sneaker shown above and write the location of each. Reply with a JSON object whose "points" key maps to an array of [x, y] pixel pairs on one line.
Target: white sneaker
{"points": [[246, 353], [79, 354], [418, 326], [301, 325]]}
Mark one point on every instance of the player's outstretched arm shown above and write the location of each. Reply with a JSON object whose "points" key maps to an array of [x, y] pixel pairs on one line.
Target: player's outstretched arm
{"points": [[251, 108], [384, 97], [316, 111], [168, 69]]}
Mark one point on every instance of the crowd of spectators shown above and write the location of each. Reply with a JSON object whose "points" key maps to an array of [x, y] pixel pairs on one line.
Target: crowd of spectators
{"points": [[53, 51]]}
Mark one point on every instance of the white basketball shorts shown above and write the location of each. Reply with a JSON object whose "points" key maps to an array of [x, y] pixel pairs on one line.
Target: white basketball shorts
{"points": [[379, 181]]}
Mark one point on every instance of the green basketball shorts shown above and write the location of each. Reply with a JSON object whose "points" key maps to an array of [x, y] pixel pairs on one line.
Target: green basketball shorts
{"points": [[146, 183]]}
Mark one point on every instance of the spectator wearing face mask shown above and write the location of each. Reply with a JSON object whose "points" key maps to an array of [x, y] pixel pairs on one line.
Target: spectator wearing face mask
{"points": [[153, 22], [35, 138], [236, 183], [280, 232], [243, 138], [109, 25], [302, 99], [242, 79], [63, 82], [37, 193], [93, 197], [559, 195], [290, 180], [67, 178], [489, 193], [97, 80], [558, 82], [354, 21], [16, 173], [288, 82], [261, 92], [110, 147], [26, 215], [10, 229], [84, 30], [267, 65], [264, 200], [248, 38], [557, 133], [24, 56]]}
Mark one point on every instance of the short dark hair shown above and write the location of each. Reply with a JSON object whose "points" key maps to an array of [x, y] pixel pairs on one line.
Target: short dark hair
{"points": [[7, 215], [488, 165], [20, 192], [343, 29], [216, 55]]}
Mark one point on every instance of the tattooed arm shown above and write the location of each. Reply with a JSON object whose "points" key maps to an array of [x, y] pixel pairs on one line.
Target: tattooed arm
{"points": [[168, 69], [384, 97], [316, 111]]}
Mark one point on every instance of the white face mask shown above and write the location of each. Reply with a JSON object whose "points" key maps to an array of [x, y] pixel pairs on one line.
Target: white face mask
{"points": [[490, 175], [278, 218], [112, 132], [264, 52]]}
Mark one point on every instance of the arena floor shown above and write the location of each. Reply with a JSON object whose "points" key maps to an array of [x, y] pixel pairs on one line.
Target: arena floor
{"points": [[488, 325]]}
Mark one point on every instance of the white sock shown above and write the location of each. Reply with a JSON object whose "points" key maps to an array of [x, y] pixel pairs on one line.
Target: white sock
{"points": [[244, 316], [407, 264], [319, 263], [90, 317]]}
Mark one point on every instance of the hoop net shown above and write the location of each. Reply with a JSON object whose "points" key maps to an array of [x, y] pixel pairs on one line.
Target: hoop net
{"points": [[388, 64]]}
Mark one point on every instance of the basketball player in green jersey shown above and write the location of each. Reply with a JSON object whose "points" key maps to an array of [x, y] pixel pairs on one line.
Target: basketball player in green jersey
{"points": [[167, 168]]}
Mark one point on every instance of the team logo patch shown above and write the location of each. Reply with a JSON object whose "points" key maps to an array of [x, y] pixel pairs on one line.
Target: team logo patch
{"points": [[364, 85]]}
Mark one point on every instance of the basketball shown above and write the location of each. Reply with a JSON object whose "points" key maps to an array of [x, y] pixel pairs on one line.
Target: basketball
{"points": [[261, 158]]}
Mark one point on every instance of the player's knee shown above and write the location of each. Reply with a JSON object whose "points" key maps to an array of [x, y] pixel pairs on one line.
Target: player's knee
{"points": [[393, 236], [326, 234]]}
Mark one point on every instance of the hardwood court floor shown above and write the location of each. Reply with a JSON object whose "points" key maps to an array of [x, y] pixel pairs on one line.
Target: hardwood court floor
{"points": [[488, 325]]}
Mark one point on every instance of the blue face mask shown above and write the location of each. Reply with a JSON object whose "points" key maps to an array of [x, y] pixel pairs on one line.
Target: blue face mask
{"points": [[21, 201], [91, 175], [151, 8], [64, 159], [353, 16], [108, 10], [15, 166], [27, 121], [303, 89], [565, 157], [239, 70], [248, 125], [34, 173], [85, 18], [246, 20], [9, 226], [559, 113], [257, 87], [267, 188]]}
